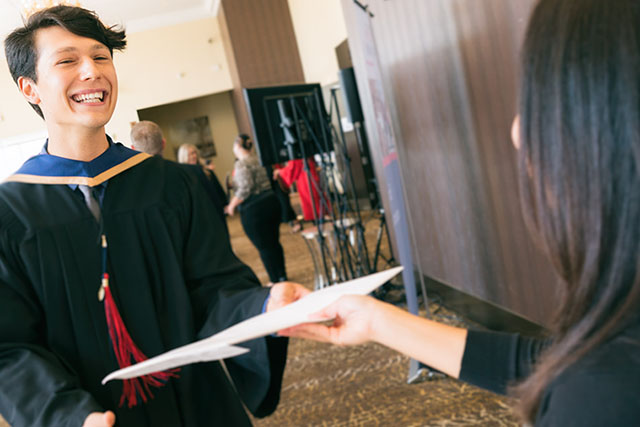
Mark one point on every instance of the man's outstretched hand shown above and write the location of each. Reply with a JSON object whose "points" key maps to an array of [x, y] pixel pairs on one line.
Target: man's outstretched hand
{"points": [[100, 419], [284, 293]]}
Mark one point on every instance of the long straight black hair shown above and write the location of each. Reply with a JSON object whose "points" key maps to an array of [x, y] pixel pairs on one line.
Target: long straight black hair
{"points": [[579, 162]]}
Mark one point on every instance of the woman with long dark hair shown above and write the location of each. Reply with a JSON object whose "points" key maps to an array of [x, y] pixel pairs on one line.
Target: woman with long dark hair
{"points": [[578, 141]]}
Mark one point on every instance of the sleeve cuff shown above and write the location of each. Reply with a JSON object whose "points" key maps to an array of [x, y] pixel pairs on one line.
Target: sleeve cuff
{"points": [[487, 359]]}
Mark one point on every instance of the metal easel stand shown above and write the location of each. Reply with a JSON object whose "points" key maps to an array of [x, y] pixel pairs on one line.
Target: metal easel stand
{"points": [[336, 242]]}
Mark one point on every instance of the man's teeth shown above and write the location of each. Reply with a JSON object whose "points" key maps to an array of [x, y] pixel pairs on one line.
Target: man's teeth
{"points": [[89, 97]]}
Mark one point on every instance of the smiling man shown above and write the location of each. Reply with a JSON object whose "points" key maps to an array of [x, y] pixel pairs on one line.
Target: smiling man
{"points": [[96, 274]]}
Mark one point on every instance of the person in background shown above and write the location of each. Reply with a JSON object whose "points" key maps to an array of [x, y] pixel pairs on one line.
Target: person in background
{"points": [[314, 207], [146, 136], [108, 256], [287, 214], [578, 147], [190, 155], [259, 208]]}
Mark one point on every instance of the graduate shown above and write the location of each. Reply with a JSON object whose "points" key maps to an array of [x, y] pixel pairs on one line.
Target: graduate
{"points": [[109, 256]]}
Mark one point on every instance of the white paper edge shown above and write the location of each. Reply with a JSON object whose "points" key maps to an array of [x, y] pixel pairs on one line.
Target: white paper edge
{"points": [[220, 345]]}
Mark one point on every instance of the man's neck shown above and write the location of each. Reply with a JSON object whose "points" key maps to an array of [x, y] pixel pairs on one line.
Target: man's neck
{"points": [[83, 146]]}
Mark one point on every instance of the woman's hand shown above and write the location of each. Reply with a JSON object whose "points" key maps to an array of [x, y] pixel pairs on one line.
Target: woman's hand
{"points": [[230, 209], [359, 319], [100, 419], [353, 322]]}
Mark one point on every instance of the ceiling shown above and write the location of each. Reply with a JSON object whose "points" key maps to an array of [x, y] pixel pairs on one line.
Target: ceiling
{"points": [[135, 15]]}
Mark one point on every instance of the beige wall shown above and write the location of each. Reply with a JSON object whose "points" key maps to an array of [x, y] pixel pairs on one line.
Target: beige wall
{"points": [[159, 66], [185, 61], [319, 28], [224, 129], [180, 62], [16, 117]]}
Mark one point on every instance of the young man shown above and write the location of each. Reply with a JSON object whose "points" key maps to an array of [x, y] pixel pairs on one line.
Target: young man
{"points": [[96, 273]]}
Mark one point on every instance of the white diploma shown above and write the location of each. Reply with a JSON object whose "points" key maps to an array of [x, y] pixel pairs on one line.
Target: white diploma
{"points": [[221, 345]]}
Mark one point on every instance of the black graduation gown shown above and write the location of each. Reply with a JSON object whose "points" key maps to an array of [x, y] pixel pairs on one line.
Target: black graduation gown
{"points": [[212, 188], [174, 280]]}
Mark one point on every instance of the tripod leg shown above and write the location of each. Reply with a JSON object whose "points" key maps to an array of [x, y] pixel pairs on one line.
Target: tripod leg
{"points": [[318, 277], [378, 243]]}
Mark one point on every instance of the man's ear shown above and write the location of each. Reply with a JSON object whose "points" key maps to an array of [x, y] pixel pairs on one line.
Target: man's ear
{"points": [[164, 143], [29, 89]]}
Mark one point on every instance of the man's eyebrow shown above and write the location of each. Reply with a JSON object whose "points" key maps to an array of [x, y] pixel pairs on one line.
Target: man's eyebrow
{"points": [[66, 49], [97, 46]]}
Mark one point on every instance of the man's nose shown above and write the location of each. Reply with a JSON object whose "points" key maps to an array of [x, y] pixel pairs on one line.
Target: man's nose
{"points": [[88, 69]]}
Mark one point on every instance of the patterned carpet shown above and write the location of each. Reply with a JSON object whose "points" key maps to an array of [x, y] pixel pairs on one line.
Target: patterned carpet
{"points": [[327, 385], [366, 386]]}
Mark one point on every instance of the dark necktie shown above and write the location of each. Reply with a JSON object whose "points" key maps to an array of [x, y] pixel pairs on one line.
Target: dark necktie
{"points": [[90, 200]]}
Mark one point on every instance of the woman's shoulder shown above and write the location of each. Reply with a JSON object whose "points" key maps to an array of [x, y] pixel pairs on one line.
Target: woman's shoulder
{"points": [[600, 389], [243, 163], [250, 164]]}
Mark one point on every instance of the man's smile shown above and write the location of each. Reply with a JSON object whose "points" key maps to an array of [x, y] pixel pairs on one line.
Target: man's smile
{"points": [[92, 96]]}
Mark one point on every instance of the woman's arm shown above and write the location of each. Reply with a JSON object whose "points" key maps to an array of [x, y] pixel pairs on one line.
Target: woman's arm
{"points": [[242, 181], [241, 187], [360, 319], [434, 344], [233, 204]]}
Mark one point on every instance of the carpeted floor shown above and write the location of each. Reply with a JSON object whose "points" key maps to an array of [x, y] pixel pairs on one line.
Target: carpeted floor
{"points": [[326, 385]]}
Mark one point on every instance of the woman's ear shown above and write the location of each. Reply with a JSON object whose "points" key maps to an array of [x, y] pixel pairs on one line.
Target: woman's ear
{"points": [[29, 89], [515, 132]]}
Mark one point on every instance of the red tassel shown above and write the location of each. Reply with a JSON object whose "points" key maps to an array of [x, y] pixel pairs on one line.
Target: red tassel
{"points": [[126, 351]]}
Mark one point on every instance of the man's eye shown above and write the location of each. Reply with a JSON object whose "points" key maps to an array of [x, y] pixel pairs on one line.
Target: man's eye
{"points": [[101, 58], [65, 61]]}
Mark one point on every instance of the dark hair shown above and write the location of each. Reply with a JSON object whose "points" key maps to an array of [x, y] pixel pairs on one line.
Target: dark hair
{"points": [[579, 172], [244, 141], [19, 46]]}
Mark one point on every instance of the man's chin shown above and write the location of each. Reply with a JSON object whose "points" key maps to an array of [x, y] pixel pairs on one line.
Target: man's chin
{"points": [[96, 121]]}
